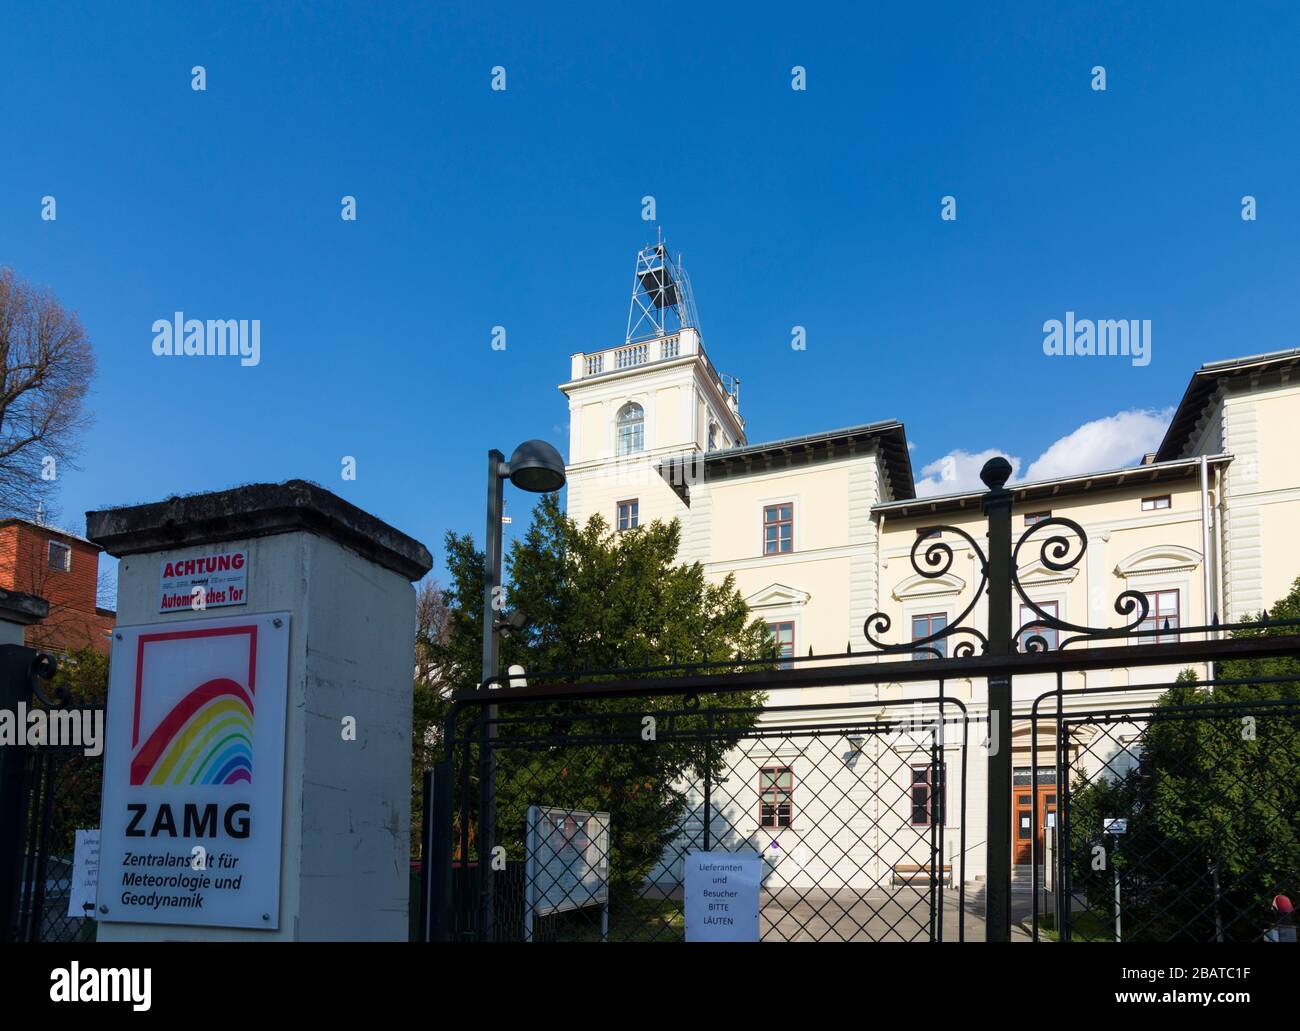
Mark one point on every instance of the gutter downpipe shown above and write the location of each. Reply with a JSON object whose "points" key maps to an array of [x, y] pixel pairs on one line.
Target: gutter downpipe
{"points": [[1205, 554]]}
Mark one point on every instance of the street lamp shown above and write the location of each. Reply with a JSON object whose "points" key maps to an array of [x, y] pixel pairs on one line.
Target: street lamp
{"points": [[538, 468]]}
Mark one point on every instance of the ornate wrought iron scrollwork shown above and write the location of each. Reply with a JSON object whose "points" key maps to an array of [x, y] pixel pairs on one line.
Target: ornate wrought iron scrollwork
{"points": [[938, 560], [43, 667], [1059, 554]]}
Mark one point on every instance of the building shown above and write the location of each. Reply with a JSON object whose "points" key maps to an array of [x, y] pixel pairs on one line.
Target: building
{"points": [[63, 569], [819, 532]]}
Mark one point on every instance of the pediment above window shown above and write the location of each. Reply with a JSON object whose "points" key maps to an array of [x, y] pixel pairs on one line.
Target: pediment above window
{"points": [[778, 596], [917, 586], [1162, 558], [1035, 574]]}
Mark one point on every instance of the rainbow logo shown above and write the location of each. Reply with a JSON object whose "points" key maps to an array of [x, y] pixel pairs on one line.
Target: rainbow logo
{"points": [[207, 738]]}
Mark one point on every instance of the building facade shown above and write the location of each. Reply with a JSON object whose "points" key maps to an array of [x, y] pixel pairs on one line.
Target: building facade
{"points": [[63, 569], [819, 533]]}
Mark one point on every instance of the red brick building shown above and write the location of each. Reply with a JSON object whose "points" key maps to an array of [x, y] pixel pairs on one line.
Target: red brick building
{"points": [[63, 569]]}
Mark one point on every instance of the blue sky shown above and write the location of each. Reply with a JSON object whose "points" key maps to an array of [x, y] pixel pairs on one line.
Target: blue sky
{"points": [[522, 208]]}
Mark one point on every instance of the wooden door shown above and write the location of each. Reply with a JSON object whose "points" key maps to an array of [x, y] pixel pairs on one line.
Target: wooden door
{"points": [[1023, 805]]}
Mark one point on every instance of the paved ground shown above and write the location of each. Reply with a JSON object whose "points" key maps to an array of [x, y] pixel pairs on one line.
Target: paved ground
{"points": [[899, 914]]}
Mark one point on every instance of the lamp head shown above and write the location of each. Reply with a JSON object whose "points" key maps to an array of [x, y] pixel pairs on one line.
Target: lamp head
{"points": [[536, 467]]}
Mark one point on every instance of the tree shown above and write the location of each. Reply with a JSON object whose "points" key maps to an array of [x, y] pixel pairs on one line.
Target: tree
{"points": [[77, 780], [600, 600], [1213, 803], [46, 365], [429, 697]]}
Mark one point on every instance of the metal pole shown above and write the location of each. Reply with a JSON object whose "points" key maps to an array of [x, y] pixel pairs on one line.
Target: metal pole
{"points": [[427, 859], [1207, 610], [491, 657], [997, 507], [708, 785], [436, 889], [1115, 866]]}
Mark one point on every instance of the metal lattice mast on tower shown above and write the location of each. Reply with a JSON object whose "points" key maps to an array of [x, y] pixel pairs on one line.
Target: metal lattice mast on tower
{"points": [[662, 300]]}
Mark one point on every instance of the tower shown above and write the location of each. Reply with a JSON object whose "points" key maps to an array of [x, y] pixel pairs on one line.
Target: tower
{"points": [[662, 301], [638, 406]]}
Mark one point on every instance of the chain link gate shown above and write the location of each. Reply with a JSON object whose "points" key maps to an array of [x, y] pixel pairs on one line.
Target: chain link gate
{"points": [[856, 810], [877, 859], [1179, 820]]}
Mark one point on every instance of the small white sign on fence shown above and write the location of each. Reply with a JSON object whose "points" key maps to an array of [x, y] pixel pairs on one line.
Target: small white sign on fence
{"points": [[722, 896], [85, 874]]}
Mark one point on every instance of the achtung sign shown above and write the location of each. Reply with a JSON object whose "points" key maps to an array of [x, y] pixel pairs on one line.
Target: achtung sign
{"points": [[198, 582], [194, 773]]}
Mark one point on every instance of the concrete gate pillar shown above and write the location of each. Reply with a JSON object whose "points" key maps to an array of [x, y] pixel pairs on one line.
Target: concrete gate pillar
{"points": [[17, 612], [338, 581]]}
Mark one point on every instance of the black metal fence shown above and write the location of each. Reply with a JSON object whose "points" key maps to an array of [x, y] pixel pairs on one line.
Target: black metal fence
{"points": [[1179, 819], [64, 787], [858, 812], [871, 860], [49, 789]]}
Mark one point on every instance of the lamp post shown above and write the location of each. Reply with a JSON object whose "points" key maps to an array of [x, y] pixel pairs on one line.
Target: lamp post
{"points": [[538, 468]]}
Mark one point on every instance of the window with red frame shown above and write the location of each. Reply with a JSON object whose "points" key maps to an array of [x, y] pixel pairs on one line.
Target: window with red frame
{"points": [[1048, 633], [775, 796], [784, 634], [923, 627], [1162, 613], [778, 529], [928, 802]]}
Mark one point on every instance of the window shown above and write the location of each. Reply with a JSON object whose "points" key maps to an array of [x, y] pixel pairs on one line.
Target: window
{"points": [[1162, 613], [775, 796], [778, 529], [929, 806], [1154, 504], [713, 436], [924, 626], [784, 634], [927, 533], [631, 429], [1036, 517], [60, 556], [629, 514], [1048, 633]]}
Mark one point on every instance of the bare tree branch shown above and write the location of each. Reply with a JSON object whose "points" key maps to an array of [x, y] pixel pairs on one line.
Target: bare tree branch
{"points": [[46, 365]]}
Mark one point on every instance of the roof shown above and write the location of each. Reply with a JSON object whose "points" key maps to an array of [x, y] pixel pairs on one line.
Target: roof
{"points": [[888, 435], [1044, 490], [45, 528], [1205, 382]]}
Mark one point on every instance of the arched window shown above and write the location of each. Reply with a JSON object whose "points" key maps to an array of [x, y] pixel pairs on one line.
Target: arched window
{"points": [[631, 429]]}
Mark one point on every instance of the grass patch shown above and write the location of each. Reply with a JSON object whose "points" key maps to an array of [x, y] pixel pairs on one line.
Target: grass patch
{"points": [[630, 920], [1084, 927]]}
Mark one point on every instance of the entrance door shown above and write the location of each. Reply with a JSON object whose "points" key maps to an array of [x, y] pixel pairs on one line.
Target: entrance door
{"points": [[1023, 805]]}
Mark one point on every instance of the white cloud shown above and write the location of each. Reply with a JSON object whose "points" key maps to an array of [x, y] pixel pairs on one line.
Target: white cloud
{"points": [[957, 471], [1111, 443]]}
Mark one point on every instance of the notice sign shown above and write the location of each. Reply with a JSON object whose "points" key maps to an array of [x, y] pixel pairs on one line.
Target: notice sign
{"points": [[198, 582], [85, 873], [568, 860], [722, 896], [194, 773]]}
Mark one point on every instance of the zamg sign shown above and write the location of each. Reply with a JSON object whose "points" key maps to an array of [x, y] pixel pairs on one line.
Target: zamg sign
{"points": [[194, 773]]}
